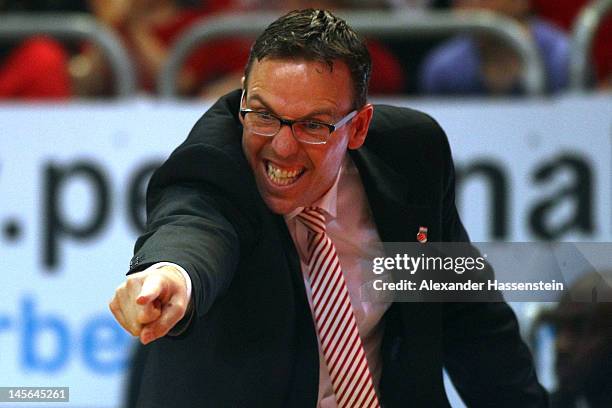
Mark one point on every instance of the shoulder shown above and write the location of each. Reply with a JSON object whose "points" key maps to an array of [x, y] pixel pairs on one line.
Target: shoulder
{"points": [[216, 136], [550, 39], [440, 73], [405, 137], [219, 125], [212, 153], [547, 30], [403, 125], [210, 166], [446, 54]]}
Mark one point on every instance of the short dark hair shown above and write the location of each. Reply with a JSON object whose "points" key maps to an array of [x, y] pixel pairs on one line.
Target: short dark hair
{"points": [[316, 35]]}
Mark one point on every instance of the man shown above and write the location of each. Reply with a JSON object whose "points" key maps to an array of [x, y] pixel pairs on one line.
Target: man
{"points": [[257, 225], [483, 65], [583, 346]]}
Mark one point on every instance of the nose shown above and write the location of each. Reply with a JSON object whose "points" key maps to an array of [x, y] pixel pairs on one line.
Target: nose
{"points": [[284, 143]]}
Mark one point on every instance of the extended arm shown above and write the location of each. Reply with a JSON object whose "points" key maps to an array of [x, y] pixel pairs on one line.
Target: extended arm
{"points": [[199, 216]]}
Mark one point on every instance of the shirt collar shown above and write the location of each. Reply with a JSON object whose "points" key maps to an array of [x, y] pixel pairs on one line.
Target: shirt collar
{"points": [[327, 202]]}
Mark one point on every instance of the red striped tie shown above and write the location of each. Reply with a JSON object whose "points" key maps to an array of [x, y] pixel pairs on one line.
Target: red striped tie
{"points": [[336, 323]]}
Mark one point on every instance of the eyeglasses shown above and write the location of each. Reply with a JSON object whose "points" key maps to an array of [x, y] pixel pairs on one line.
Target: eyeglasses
{"points": [[306, 131]]}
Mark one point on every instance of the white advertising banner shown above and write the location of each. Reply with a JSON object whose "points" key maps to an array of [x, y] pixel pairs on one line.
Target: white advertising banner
{"points": [[72, 181]]}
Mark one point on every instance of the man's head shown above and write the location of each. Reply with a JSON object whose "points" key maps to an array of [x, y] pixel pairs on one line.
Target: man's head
{"points": [[315, 35], [307, 66], [584, 336]]}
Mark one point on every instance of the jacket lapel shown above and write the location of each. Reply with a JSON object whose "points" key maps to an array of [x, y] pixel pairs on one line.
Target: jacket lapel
{"points": [[398, 209]]}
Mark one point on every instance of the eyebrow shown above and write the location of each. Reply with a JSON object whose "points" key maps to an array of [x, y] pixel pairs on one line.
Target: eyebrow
{"points": [[309, 116]]}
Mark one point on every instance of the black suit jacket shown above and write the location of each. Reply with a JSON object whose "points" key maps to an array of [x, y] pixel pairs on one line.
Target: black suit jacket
{"points": [[251, 341]]}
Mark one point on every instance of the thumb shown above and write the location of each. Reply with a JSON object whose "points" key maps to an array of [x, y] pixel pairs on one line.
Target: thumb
{"points": [[151, 289]]}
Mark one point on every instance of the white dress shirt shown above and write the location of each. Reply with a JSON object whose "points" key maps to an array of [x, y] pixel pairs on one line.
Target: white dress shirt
{"points": [[352, 230]]}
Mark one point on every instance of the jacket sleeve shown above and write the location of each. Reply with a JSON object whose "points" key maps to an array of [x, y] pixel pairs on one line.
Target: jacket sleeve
{"points": [[196, 221], [200, 206], [185, 227]]}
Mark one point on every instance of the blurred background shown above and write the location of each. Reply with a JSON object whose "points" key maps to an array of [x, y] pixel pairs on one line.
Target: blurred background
{"points": [[94, 94]]}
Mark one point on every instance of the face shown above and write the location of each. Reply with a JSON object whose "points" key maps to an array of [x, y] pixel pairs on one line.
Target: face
{"points": [[580, 351], [291, 174]]}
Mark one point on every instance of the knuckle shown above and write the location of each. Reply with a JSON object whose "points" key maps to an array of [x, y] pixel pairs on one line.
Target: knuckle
{"points": [[130, 282], [140, 318], [135, 329], [144, 317], [179, 305], [120, 288], [151, 280], [117, 317]]}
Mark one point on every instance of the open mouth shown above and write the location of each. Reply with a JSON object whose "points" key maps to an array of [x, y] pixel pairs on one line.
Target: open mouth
{"points": [[282, 177]]}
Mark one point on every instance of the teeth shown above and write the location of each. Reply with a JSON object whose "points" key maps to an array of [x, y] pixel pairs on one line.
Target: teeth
{"points": [[281, 177]]}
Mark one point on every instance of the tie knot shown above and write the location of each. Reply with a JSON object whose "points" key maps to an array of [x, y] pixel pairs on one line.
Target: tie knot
{"points": [[313, 218]]}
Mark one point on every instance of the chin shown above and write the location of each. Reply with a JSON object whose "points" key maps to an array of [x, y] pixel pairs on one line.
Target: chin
{"points": [[280, 207]]}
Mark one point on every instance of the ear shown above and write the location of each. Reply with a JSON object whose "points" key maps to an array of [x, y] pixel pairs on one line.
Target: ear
{"points": [[360, 126], [242, 81], [241, 102]]}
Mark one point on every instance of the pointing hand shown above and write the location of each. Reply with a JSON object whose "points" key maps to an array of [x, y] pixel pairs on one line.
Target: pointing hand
{"points": [[149, 303]]}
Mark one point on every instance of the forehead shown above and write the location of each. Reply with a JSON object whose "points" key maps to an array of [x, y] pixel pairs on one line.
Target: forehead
{"points": [[297, 84]]}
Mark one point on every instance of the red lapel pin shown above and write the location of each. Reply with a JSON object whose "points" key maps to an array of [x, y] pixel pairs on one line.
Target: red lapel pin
{"points": [[422, 235]]}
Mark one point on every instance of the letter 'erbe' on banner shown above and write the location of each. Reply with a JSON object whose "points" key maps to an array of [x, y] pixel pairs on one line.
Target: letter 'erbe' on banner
{"points": [[422, 235]]}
